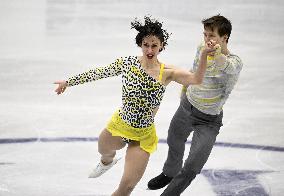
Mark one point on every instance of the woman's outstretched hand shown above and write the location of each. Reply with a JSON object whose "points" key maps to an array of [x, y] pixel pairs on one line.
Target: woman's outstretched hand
{"points": [[62, 85]]}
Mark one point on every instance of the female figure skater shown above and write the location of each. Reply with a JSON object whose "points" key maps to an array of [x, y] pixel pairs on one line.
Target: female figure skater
{"points": [[144, 80]]}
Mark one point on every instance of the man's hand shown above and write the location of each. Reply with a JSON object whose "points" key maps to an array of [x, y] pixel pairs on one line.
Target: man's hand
{"points": [[212, 49]]}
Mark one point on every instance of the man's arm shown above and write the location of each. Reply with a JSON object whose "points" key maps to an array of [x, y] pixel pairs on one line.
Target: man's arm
{"points": [[231, 64], [185, 77]]}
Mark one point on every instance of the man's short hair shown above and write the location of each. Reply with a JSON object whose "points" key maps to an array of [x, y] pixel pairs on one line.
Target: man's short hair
{"points": [[222, 24]]}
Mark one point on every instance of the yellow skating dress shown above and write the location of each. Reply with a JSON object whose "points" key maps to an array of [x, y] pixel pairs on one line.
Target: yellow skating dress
{"points": [[141, 94]]}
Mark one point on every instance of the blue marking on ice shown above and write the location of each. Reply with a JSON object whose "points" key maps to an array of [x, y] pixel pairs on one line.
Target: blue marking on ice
{"points": [[162, 141]]}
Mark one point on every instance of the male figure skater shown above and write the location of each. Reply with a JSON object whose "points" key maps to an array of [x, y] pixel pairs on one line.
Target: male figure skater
{"points": [[200, 111]]}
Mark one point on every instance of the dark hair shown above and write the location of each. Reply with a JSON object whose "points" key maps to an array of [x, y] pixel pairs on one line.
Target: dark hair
{"points": [[151, 27], [223, 25]]}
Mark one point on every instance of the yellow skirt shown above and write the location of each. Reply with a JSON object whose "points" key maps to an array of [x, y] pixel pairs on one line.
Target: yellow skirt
{"points": [[146, 136]]}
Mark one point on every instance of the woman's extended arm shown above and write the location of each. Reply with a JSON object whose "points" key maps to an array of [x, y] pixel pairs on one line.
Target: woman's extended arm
{"points": [[113, 69]]}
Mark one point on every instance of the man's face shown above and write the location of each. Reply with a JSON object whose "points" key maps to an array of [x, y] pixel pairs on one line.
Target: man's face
{"points": [[214, 35]]}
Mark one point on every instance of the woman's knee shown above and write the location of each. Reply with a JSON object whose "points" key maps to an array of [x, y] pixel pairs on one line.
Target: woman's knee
{"points": [[103, 145], [108, 143]]}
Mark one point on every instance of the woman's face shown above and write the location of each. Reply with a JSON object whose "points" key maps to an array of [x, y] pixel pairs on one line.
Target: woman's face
{"points": [[151, 46]]}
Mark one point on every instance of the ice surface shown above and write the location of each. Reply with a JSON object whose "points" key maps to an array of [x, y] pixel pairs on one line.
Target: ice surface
{"points": [[43, 41]]}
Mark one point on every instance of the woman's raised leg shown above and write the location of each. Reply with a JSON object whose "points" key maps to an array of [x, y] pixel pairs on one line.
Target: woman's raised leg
{"points": [[107, 146]]}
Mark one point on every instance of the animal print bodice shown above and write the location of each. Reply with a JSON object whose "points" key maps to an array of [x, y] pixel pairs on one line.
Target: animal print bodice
{"points": [[141, 93]]}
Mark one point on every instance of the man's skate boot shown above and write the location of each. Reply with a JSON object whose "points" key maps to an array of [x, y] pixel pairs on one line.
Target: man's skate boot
{"points": [[159, 182]]}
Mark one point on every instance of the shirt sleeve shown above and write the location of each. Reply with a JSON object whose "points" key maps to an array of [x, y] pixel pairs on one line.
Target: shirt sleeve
{"points": [[113, 69], [232, 64], [196, 58]]}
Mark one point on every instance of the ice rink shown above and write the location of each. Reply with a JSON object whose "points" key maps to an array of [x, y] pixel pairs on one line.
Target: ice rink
{"points": [[48, 143]]}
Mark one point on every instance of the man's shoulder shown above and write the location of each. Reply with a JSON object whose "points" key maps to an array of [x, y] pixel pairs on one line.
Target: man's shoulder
{"points": [[233, 64], [234, 57]]}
